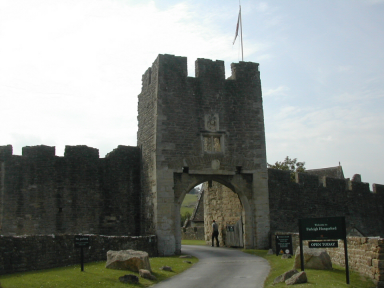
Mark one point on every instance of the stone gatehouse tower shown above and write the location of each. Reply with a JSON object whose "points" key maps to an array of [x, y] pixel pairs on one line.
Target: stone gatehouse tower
{"points": [[197, 129]]}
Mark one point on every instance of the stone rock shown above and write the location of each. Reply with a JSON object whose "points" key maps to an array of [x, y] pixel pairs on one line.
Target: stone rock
{"points": [[286, 256], [314, 258], [185, 256], [146, 274], [130, 279], [285, 276], [189, 262], [166, 268], [270, 252], [298, 278], [128, 260]]}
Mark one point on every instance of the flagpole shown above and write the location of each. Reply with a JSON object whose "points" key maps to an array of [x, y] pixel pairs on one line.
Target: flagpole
{"points": [[241, 35]]}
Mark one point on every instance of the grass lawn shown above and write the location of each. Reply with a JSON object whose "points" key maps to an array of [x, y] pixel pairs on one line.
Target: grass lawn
{"points": [[188, 204], [318, 278], [193, 242], [95, 275]]}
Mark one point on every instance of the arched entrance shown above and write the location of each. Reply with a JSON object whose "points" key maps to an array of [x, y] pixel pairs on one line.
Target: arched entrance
{"points": [[195, 129], [210, 201], [239, 184]]}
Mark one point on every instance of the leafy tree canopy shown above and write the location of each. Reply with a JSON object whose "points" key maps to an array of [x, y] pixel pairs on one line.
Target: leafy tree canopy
{"points": [[289, 164]]}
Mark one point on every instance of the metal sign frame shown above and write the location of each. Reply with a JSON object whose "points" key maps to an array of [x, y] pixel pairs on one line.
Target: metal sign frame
{"points": [[81, 241], [327, 228]]}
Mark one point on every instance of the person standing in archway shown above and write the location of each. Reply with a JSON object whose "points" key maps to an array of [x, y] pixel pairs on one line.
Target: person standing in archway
{"points": [[215, 233]]}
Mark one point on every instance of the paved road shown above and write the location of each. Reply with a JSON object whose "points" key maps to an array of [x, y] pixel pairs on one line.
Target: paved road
{"points": [[219, 267]]}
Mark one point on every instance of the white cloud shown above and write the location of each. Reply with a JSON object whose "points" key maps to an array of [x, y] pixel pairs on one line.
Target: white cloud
{"points": [[71, 71], [279, 91]]}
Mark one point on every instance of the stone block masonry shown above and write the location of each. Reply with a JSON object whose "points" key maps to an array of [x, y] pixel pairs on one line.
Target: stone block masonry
{"points": [[193, 233], [205, 127], [78, 193], [314, 197], [222, 205], [190, 130], [36, 252], [365, 255]]}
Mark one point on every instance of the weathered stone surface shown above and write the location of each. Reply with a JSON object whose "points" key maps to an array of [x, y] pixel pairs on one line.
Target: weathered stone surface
{"points": [[166, 268], [221, 138], [270, 252], [37, 252], [286, 256], [77, 178], [298, 278], [189, 262], [146, 274], [313, 259], [185, 256], [285, 276], [128, 260], [129, 279]]}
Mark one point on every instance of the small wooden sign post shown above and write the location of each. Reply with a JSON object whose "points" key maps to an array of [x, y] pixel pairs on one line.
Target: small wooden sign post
{"points": [[329, 228], [81, 241]]}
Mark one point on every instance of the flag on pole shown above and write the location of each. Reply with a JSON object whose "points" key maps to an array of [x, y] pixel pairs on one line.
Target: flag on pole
{"points": [[237, 26]]}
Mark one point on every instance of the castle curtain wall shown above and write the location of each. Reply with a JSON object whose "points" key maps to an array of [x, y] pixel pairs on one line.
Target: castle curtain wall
{"points": [[77, 193]]}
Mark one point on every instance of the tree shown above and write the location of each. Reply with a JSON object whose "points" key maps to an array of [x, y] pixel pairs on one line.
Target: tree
{"points": [[289, 164]]}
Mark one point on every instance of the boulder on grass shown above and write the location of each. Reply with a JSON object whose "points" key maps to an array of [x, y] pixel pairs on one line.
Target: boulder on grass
{"points": [[314, 258], [166, 268], [298, 278], [285, 276], [146, 274], [128, 260], [130, 279]]}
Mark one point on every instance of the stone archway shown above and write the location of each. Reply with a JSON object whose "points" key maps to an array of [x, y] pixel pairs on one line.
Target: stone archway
{"points": [[191, 130], [241, 184]]}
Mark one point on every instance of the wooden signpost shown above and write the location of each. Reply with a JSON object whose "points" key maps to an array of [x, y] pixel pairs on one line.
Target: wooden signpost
{"points": [[81, 241], [329, 228]]}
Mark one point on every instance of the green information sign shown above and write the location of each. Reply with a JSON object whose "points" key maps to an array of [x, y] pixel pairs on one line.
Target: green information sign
{"points": [[322, 228]]}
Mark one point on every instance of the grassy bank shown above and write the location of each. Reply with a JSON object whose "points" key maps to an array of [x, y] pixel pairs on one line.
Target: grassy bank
{"points": [[319, 278], [95, 275]]}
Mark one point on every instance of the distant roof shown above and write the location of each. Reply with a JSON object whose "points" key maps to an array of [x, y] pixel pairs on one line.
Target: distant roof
{"points": [[332, 172]]}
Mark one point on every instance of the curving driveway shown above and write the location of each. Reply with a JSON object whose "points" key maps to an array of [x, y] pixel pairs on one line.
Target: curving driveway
{"points": [[219, 267]]}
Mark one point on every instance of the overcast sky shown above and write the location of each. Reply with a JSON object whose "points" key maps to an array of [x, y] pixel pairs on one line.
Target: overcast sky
{"points": [[70, 71]]}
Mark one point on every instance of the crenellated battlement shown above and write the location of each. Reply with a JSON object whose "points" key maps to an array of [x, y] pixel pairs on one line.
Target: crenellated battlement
{"points": [[79, 193], [377, 188], [245, 72], [5, 152], [209, 70], [172, 68], [314, 196], [39, 151], [334, 184], [81, 151]]}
